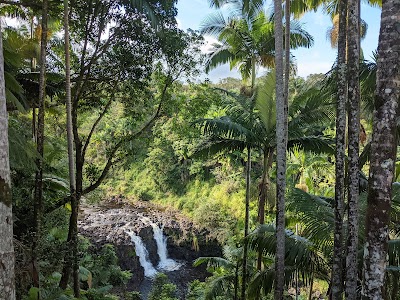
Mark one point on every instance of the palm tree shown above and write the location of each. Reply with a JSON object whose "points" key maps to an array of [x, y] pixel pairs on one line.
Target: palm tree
{"points": [[316, 215], [241, 128], [383, 153], [281, 145], [7, 284], [331, 8], [247, 40], [38, 193], [337, 264], [300, 254], [226, 273], [353, 71]]}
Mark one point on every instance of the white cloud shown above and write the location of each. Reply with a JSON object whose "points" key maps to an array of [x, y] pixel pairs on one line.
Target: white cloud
{"points": [[306, 68], [321, 19], [179, 23], [208, 42], [221, 72]]}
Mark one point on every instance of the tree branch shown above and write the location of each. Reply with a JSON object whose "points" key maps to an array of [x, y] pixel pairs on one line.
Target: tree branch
{"points": [[87, 141], [110, 160]]}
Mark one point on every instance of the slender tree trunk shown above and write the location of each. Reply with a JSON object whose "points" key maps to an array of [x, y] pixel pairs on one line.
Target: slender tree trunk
{"points": [[353, 47], [281, 145], [236, 287], [38, 194], [7, 257], [33, 67], [71, 260], [264, 189], [246, 224], [70, 136], [34, 122], [248, 183], [337, 261], [71, 163], [311, 287], [287, 54], [383, 151]]}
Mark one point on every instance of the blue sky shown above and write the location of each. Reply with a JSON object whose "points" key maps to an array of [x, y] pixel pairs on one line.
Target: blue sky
{"points": [[317, 59]]}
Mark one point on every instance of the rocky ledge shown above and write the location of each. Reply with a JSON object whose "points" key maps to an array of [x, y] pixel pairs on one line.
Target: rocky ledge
{"points": [[109, 222]]}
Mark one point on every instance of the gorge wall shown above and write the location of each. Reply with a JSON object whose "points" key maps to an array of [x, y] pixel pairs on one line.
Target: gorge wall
{"points": [[116, 223]]}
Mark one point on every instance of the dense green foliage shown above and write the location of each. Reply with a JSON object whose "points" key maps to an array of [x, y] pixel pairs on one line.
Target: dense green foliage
{"points": [[146, 128]]}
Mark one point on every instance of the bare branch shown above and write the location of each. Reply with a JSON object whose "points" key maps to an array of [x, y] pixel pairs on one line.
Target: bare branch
{"points": [[110, 160], [87, 141]]}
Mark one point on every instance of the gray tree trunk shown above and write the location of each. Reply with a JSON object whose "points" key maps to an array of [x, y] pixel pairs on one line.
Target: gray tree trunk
{"points": [[38, 193], [287, 54], [337, 263], [281, 144], [353, 55], [70, 137], [7, 257], [383, 151]]}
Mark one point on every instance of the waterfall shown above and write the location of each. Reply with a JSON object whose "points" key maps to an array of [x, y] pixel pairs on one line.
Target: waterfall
{"points": [[165, 263], [141, 251]]}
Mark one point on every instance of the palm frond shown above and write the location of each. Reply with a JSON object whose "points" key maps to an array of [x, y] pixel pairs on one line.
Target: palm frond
{"points": [[214, 24], [214, 145], [214, 262], [261, 283], [219, 286], [219, 56], [265, 102], [225, 127], [315, 144], [316, 213], [300, 252], [299, 37]]}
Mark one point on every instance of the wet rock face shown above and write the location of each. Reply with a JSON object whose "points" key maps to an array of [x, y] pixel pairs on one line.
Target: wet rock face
{"points": [[129, 261], [109, 224], [146, 234]]}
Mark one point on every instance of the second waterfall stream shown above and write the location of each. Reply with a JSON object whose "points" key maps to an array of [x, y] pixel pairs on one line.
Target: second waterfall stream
{"points": [[165, 263]]}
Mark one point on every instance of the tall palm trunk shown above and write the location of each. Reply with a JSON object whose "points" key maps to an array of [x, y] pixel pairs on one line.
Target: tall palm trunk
{"points": [[337, 263], [287, 55], [383, 151], [280, 154], [248, 183], [246, 224], [353, 62], [264, 189], [38, 194], [7, 257]]}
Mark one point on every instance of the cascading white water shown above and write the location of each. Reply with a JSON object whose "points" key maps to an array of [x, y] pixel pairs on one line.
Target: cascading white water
{"points": [[141, 251], [165, 263]]}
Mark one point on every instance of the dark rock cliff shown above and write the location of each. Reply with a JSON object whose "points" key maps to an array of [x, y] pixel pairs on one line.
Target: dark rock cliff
{"points": [[185, 241]]}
